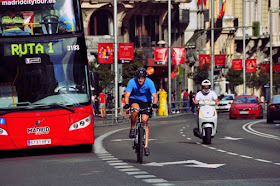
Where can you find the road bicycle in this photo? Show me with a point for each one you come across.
(139, 141)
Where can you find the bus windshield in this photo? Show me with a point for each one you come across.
(43, 17)
(43, 72)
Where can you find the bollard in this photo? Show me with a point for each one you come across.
(162, 111)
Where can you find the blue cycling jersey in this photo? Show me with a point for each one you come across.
(142, 93)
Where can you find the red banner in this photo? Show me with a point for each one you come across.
(178, 55)
(220, 60)
(251, 65)
(204, 59)
(126, 51)
(276, 67)
(265, 68)
(160, 54)
(237, 64)
(105, 53)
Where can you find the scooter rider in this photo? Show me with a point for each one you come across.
(206, 93)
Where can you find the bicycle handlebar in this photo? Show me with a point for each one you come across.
(133, 109)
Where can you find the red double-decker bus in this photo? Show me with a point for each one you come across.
(45, 96)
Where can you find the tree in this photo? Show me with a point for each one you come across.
(234, 78)
(105, 74)
(201, 74)
(130, 68)
(256, 80)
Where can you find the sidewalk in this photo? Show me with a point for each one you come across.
(109, 121)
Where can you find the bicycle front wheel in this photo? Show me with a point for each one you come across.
(141, 144)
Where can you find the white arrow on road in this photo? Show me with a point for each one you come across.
(231, 138)
(193, 162)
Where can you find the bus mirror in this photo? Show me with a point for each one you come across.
(51, 24)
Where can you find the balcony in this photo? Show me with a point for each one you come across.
(92, 41)
(276, 40)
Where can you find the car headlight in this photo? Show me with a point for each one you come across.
(255, 108)
(3, 132)
(233, 109)
(81, 124)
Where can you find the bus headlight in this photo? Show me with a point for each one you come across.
(81, 124)
(3, 132)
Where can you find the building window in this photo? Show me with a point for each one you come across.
(144, 30)
(101, 23)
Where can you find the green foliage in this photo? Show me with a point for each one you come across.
(201, 74)
(234, 77)
(256, 80)
(130, 68)
(256, 28)
(276, 80)
(105, 74)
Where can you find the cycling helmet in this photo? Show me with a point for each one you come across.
(204, 83)
(141, 72)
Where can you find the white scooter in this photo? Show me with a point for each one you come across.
(207, 121)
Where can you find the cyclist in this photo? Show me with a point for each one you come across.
(140, 93)
(206, 93)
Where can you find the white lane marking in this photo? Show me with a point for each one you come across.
(243, 156)
(98, 147)
(126, 139)
(232, 153)
(115, 161)
(114, 164)
(129, 169)
(122, 166)
(137, 172)
(144, 176)
(266, 161)
(248, 128)
(231, 138)
(235, 154)
(155, 180)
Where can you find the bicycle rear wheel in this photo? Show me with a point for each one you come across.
(141, 144)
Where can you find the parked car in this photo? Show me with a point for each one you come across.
(225, 102)
(273, 109)
(246, 106)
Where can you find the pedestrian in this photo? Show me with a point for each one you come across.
(191, 98)
(125, 112)
(187, 100)
(93, 104)
(102, 105)
(262, 100)
(173, 100)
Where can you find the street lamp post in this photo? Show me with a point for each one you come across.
(270, 55)
(244, 52)
(212, 43)
(169, 55)
(116, 56)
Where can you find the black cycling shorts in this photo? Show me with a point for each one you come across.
(141, 104)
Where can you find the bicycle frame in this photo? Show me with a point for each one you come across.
(139, 141)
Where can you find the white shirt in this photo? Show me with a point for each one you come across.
(210, 96)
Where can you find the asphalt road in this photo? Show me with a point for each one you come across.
(244, 152)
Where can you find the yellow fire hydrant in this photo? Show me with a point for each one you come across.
(162, 111)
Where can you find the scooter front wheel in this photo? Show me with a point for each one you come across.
(207, 138)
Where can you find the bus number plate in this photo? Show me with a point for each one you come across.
(39, 142)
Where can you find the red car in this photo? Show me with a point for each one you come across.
(246, 106)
